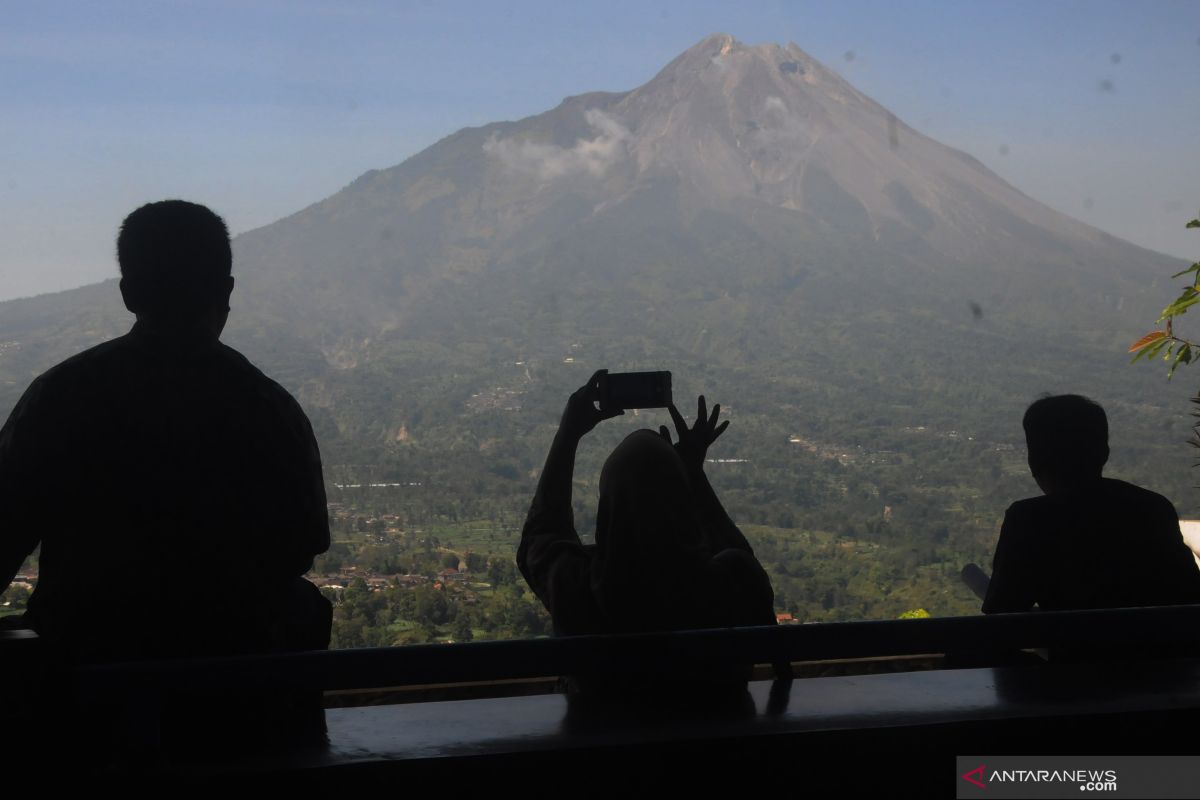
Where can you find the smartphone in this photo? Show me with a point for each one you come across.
(635, 390)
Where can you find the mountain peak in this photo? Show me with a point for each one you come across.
(724, 44)
(735, 120)
(721, 51)
(714, 44)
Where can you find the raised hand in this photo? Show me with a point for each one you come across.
(694, 442)
(581, 413)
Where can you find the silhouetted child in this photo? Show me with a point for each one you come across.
(1090, 541)
(666, 557)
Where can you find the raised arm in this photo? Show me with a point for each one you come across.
(720, 531)
(550, 525)
(742, 583)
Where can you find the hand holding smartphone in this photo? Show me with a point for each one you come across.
(622, 390)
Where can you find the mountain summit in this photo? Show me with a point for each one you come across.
(732, 121)
(770, 124)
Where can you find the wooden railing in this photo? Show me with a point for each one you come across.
(1031, 707)
(1129, 629)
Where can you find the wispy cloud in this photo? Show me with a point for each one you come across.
(779, 125)
(549, 161)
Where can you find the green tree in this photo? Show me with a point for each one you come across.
(501, 572)
(460, 630)
(431, 606)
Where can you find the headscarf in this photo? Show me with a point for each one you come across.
(651, 561)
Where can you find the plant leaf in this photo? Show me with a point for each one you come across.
(1193, 268)
(1156, 348)
(1150, 351)
(1145, 341)
(1178, 359)
(1182, 303)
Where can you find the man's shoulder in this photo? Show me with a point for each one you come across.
(1131, 489)
(255, 379)
(94, 357)
(1021, 521)
(1029, 507)
(67, 377)
(1031, 518)
(1107, 491)
(1129, 495)
(233, 360)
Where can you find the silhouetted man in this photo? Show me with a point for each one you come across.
(1090, 541)
(176, 491)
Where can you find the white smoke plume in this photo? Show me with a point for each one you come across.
(548, 161)
(780, 126)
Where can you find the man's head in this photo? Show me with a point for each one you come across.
(1067, 436)
(175, 264)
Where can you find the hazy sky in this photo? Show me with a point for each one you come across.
(260, 108)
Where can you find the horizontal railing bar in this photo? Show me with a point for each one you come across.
(665, 651)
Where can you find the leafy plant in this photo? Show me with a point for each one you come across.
(1178, 350)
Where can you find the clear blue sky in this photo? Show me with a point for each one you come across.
(260, 108)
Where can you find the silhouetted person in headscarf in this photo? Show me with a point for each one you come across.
(175, 490)
(1090, 541)
(666, 557)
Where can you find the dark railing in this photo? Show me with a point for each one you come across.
(1130, 629)
(1026, 706)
